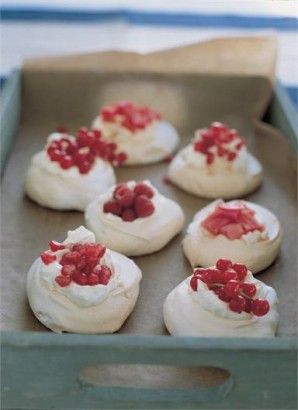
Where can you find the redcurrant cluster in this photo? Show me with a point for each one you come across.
(130, 116)
(80, 264)
(227, 281)
(83, 150)
(216, 141)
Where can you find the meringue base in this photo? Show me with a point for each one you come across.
(204, 249)
(58, 313)
(140, 237)
(183, 316)
(53, 187)
(211, 185)
(148, 146)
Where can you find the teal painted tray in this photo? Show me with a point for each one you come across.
(48, 371)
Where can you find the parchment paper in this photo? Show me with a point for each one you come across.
(72, 98)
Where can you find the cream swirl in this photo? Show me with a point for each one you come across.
(143, 235)
(257, 250)
(202, 313)
(83, 309)
(226, 179)
(52, 186)
(151, 144)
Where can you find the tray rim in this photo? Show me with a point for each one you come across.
(281, 113)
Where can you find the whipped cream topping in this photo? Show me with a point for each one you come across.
(62, 308)
(256, 249)
(83, 296)
(151, 144)
(52, 186)
(143, 235)
(222, 178)
(202, 313)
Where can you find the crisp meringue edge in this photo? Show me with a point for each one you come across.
(184, 326)
(142, 244)
(179, 176)
(128, 295)
(173, 141)
(44, 177)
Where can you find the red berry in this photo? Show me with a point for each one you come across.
(231, 156)
(248, 305)
(93, 250)
(66, 162)
(143, 189)
(63, 280)
(54, 154)
(84, 167)
(93, 279)
(68, 270)
(104, 274)
(56, 246)
(211, 276)
(237, 304)
(47, 257)
(223, 264)
(108, 113)
(240, 269)
(112, 207)
(81, 279)
(232, 288)
(82, 263)
(229, 275)
(120, 158)
(70, 258)
(124, 196)
(249, 289)
(260, 307)
(194, 283)
(222, 295)
(220, 151)
(128, 215)
(218, 128)
(143, 206)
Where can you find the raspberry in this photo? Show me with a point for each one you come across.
(124, 196)
(128, 215)
(143, 206)
(143, 189)
(112, 207)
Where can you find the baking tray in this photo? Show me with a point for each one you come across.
(127, 370)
